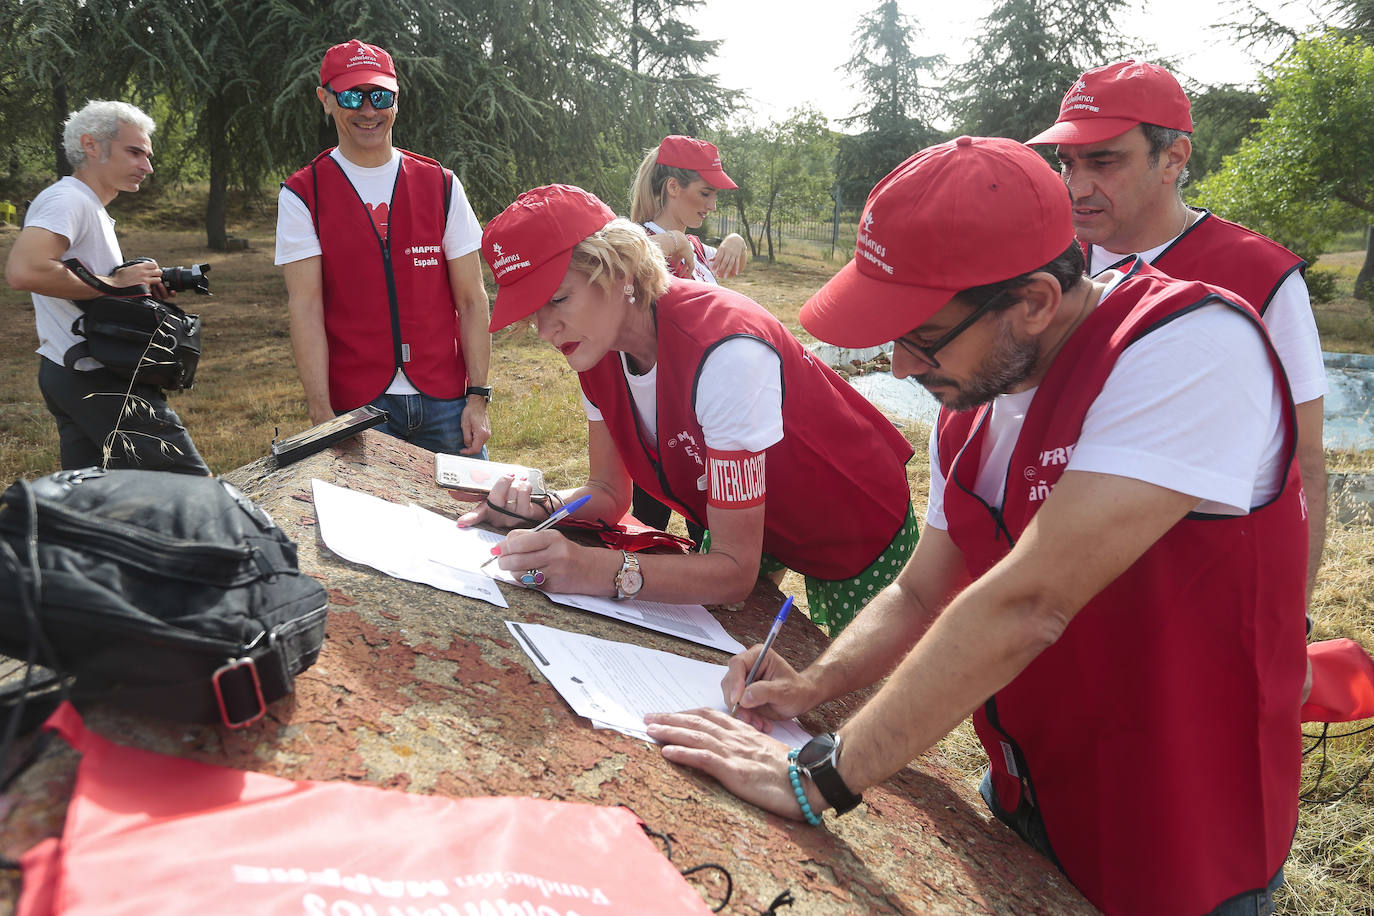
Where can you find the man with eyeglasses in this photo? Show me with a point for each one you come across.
(1108, 506)
(1124, 137)
(383, 278)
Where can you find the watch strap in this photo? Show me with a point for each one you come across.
(827, 779)
(478, 391)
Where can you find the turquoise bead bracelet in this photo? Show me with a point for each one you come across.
(811, 817)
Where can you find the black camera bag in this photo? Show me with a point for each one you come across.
(135, 334)
(170, 594)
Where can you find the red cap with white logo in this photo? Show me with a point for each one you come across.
(529, 246)
(698, 155)
(355, 63)
(1108, 101)
(965, 213)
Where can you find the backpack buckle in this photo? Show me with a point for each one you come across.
(238, 677)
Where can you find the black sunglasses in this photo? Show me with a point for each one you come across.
(352, 99)
(927, 354)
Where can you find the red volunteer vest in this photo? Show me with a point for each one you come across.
(836, 485)
(417, 329)
(1159, 736)
(1225, 254)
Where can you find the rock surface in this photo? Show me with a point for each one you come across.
(421, 690)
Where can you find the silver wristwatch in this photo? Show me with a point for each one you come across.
(629, 580)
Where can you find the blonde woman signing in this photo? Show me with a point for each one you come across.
(675, 190)
(700, 396)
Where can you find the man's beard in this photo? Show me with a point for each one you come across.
(1009, 363)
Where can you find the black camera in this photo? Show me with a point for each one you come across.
(180, 279)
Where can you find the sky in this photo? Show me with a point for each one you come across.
(785, 53)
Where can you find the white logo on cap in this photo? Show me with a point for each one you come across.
(363, 56)
(869, 249)
(507, 263)
(868, 221)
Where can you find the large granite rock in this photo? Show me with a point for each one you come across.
(421, 690)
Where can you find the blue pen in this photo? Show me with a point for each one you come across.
(554, 519)
(767, 644)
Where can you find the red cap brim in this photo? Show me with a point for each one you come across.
(856, 310)
(717, 179)
(355, 78)
(530, 293)
(1083, 130)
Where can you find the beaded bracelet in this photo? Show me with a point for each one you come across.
(811, 817)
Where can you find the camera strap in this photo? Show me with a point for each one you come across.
(94, 282)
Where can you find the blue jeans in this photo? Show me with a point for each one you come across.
(425, 421)
(1249, 903)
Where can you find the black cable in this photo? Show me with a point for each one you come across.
(783, 899)
(729, 882)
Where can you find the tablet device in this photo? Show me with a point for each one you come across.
(323, 435)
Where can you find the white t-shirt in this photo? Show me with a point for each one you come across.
(702, 270)
(296, 239)
(70, 209)
(1169, 413)
(739, 397)
(1292, 327)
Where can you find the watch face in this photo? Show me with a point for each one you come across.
(816, 750)
(631, 581)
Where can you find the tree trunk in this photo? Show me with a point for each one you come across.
(216, 236)
(744, 222)
(1364, 281)
(59, 105)
(768, 228)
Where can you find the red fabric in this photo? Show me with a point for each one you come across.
(1228, 255)
(147, 833)
(361, 317)
(1188, 665)
(839, 456)
(1342, 682)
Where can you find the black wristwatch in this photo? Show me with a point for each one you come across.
(479, 391)
(819, 758)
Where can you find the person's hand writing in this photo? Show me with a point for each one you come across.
(778, 691)
(567, 567)
(741, 758)
(729, 259)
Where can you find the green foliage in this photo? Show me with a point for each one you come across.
(1029, 52)
(785, 171)
(897, 103)
(1223, 116)
(1322, 284)
(1307, 172)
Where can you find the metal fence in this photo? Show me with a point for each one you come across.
(826, 238)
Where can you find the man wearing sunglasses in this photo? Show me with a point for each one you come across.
(383, 278)
(1111, 578)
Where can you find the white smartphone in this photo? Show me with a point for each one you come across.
(473, 475)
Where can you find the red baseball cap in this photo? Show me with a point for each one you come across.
(529, 246)
(354, 63)
(966, 213)
(1108, 101)
(698, 155)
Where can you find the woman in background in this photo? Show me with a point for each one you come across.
(675, 190)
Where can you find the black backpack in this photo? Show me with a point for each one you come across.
(171, 594)
(135, 334)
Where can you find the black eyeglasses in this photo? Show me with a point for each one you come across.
(927, 354)
(352, 99)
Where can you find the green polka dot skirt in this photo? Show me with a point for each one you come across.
(833, 603)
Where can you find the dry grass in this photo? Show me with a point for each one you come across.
(247, 387)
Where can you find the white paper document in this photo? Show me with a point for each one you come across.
(617, 684)
(404, 542)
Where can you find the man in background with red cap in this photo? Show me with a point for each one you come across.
(1107, 506)
(383, 279)
(1123, 138)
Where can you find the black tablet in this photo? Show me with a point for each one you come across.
(323, 435)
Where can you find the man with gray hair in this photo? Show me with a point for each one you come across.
(1124, 138)
(101, 419)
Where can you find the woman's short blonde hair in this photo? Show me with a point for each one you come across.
(621, 252)
(649, 192)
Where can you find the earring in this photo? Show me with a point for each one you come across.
(630, 291)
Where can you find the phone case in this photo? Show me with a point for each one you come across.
(473, 475)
